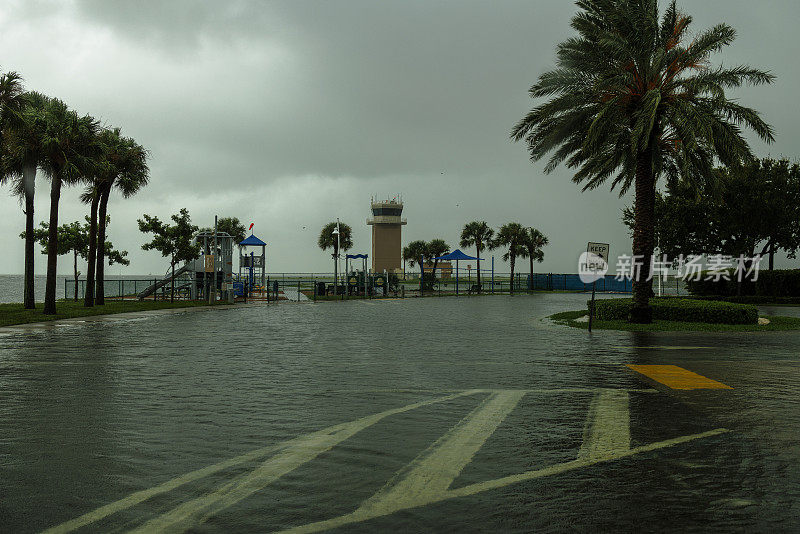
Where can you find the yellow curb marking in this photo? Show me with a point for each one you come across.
(676, 377)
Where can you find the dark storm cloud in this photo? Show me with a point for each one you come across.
(292, 113)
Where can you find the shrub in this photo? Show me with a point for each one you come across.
(776, 283)
(676, 309)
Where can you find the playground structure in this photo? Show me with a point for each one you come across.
(253, 284)
(209, 277)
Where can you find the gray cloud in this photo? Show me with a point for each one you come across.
(293, 113)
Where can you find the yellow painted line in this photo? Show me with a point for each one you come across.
(676, 377)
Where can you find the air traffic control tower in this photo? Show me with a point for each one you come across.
(386, 222)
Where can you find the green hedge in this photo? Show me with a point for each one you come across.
(750, 299)
(777, 283)
(676, 309)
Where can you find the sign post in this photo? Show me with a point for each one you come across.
(592, 266)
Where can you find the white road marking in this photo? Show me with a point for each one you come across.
(306, 440)
(607, 429)
(434, 470)
(472, 489)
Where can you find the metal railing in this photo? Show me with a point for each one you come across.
(308, 285)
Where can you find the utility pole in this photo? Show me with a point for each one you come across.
(213, 293)
(336, 260)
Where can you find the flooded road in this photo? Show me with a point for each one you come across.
(440, 414)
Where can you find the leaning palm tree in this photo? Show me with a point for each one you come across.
(436, 248)
(511, 236)
(415, 253)
(69, 147)
(534, 242)
(22, 155)
(122, 165)
(631, 100)
(479, 235)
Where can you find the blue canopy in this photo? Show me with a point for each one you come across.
(456, 255)
(252, 241)
(355, 256)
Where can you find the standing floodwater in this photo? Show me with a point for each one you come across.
(444, 414)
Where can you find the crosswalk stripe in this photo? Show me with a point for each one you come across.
(607, 429)
(140, 496)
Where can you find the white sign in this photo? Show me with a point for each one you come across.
(593, 264)
(599, 249)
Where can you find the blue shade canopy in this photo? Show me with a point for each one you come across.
(456, 255)
(356, 256)
(251, 241)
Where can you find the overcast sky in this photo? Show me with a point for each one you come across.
(290, 114)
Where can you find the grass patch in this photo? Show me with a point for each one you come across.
(11, 314)
(569, 318)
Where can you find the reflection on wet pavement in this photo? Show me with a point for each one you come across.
(467, 414)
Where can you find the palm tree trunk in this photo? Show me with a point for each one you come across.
(643, 240)
(99, 297)
(530, 283)
(75, 271)
(88, 298)
(52, 248)
(172, 289)
(29, 179)
(479, 270)
(511, 289)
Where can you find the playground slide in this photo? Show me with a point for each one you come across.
(161, 283)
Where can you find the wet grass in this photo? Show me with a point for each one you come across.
(776, 323)
(15, 313)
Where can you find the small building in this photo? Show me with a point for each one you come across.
(444, 269)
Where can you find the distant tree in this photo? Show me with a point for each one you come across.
(231, 226)
(71, 239)
(74, 238)
(630, 100)
(435, 248)
(742, 207)
(535, 241)
(173, 241)
(415, 253)
(328, 240)
(512, 236)
(479, 235)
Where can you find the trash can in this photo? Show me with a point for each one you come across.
(320, 288)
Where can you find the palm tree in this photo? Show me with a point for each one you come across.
(69, 146)
(91, 196)
(511, 236)
(534, 242)
(436, 248)
(630, 99)
(22, 155)
(479, 235)
(415, 252)
(123, 164)
(328, 239)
